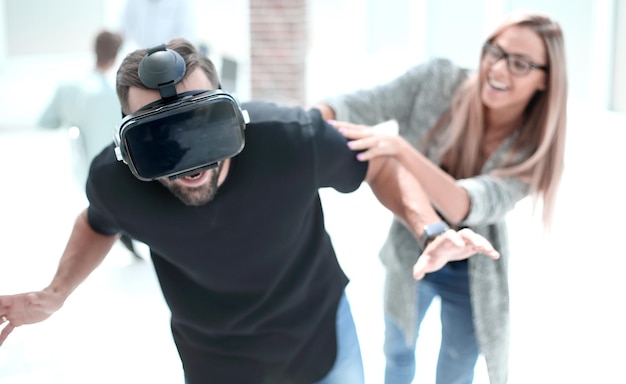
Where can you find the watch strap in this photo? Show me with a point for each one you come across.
(431, 231)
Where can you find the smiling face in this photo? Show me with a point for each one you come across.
(502, 91)
(200, 188)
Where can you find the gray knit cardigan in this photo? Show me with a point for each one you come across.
(416, 100)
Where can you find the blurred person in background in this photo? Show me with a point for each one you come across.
(89, 108)
(478, 142)
(147, 23)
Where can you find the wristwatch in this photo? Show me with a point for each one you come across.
(431, 231)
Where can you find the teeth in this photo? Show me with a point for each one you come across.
(498, 86)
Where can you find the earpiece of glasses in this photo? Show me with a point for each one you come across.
(517, 65)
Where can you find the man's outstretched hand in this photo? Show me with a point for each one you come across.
(26, 308)
(451, 246)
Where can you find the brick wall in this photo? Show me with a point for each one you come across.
(278, 45)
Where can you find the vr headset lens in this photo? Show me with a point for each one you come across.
(188, 136)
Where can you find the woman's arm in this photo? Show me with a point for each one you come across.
(444, 193)
(482, 199)
(392, 100)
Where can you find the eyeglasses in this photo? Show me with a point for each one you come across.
(518, 65)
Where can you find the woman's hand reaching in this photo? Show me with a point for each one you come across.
(370, 141)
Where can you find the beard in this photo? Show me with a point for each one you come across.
(195, 196)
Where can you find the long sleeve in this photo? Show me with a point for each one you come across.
(415, 99)
(491, 198)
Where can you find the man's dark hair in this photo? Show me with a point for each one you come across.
(128, 73)
(107, 46)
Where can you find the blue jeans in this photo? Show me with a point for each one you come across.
(459, 350)
(348, 367)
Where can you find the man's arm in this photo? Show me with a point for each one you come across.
(403, 195)
(328, 113)
(84, 251)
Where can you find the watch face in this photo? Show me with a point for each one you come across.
(436, 229)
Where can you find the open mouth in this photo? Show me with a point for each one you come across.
(496, 85)
(195, 179)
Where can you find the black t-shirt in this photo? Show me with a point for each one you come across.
(251, 278)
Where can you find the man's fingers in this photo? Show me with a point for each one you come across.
(452, 236)
(491, 253)
(480, 243)
(5, 332)
(486, 248)
(452, 245)
(421, 267)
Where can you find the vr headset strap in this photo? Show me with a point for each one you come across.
(162, 69)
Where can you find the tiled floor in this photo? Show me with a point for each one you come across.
(567, 290)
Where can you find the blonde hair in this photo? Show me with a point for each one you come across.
(541, 140)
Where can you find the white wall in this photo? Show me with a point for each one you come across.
(340, 59)
(618, 97)
(587, 28)
(353, 44)
(28, 75)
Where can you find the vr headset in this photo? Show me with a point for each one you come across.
(180, 134)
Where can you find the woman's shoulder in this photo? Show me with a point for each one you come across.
(444, 68)
(436, 74)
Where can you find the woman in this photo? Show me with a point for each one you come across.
(477, 143)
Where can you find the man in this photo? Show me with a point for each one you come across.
(90, 105)
(237, 238)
